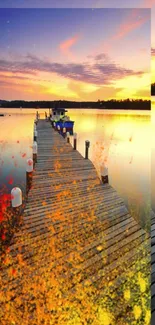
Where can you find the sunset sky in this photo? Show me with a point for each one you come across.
(75, 54)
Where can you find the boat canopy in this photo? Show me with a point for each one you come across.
(59, 111)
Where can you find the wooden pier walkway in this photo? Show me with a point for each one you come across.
(79, 256)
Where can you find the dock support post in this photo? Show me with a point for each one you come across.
(35, 129)
(104, 174)
(64, 132)
(35, 135)
(75, 141)
(68, 137)
(16, 200)
(35, 151)
(37, 116)
(29, 171)
(87, 145)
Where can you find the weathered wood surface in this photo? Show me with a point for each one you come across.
(77, 244)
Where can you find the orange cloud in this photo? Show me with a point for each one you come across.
(65, 46)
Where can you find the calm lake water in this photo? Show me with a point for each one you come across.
(119, 138)
(153, 154)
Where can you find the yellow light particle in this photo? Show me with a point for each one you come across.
(99, 248)
(127, 294)
(137, 311)
(105, 317)
(147, 317)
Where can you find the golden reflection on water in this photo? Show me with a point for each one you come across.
(123, 142)
(121, 139)
(153, 153)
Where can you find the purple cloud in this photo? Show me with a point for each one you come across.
(98, 72)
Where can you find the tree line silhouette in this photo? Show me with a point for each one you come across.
(153, 89)
(133, 104)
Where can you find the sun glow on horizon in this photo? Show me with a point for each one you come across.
(153, 69)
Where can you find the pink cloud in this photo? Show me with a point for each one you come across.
(134, 21)
(148, 3)
(136, 18)
(66, 46)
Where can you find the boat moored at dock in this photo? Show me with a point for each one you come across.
(58, 116)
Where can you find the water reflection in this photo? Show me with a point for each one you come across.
(121, 140)
(153, 154)
(16, 133)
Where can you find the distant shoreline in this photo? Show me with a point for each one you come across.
(83, 108)
(153, 89)
(127, 104)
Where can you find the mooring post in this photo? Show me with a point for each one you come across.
(35, 151)
(16, 200)
(68, 137)
(29, 172)
(35, 135)
(64, 132)
(37, 116)
(104, 174)
(58, 128)
(54, 125)
(87, 145)
(75, 141)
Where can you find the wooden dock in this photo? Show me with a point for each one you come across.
(79, 256)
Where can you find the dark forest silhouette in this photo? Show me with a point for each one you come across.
(153, 89)
(132, 104)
